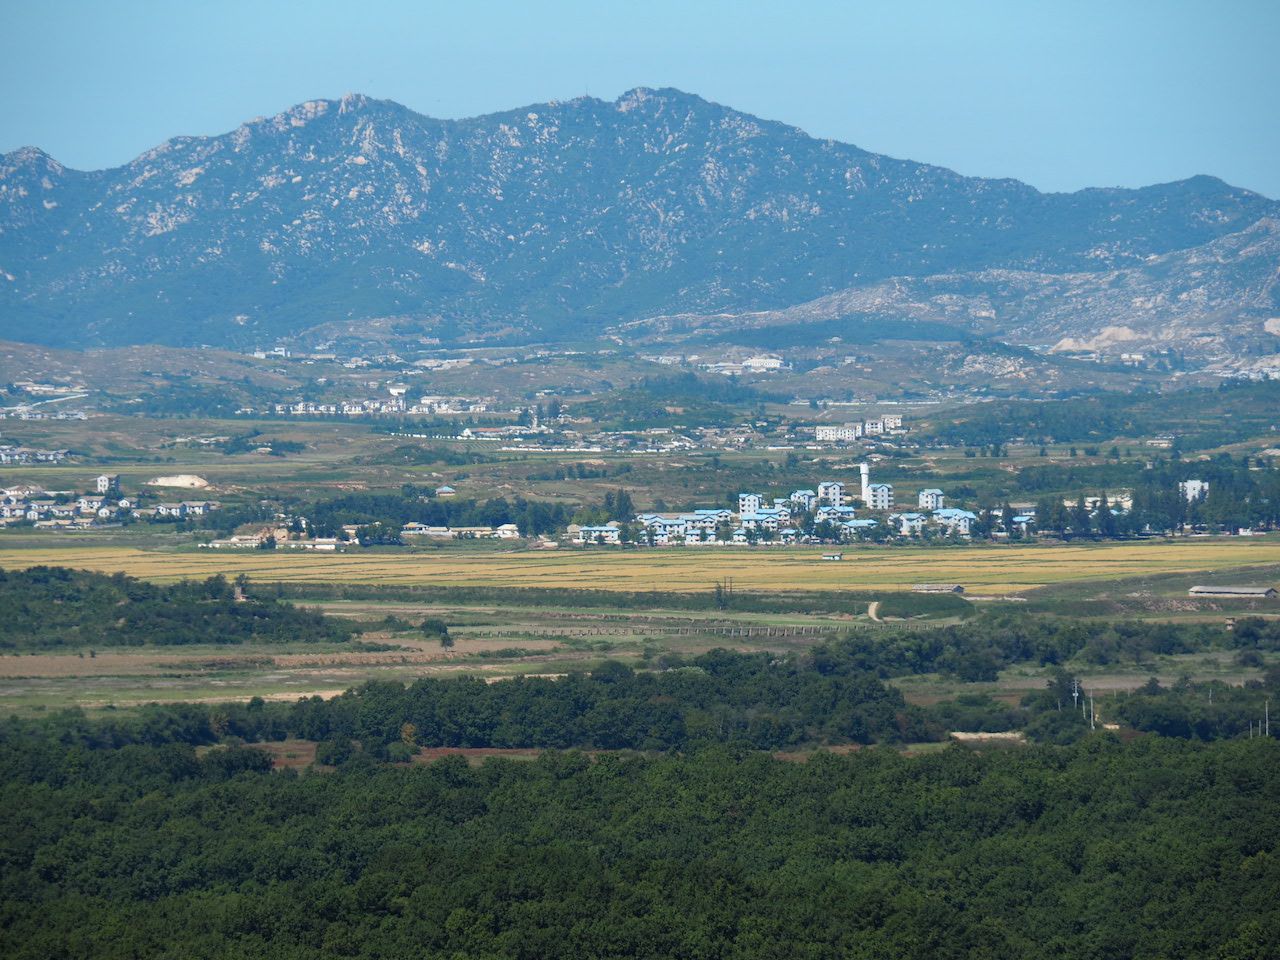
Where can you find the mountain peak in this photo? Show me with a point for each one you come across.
(648, 98)
(30, 158)
(353, 102)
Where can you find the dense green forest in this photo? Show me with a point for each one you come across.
(1105, 850)
(381, 515)
(678, 399)
(52, 607)
(754, 700)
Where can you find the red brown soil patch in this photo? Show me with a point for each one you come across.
(476, 755)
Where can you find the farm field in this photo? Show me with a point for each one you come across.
(982, 570)
(488, 642)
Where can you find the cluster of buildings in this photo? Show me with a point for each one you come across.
(176, 510)
(505, 531)
(763, 363)
(758, 363)
(341, 408)
(778, 519)
(395, 403)
(848, 432)
(280, 538)
(25, 412)
(103, 504)
(11, 453)
(58, 509)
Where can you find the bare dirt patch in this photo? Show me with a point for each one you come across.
(475, 755)
(289, 754)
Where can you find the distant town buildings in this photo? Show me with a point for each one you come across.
(849, 432)
(104, 504)
(10, 453)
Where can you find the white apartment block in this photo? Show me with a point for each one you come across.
(804, 499)
(831, 492)
(880, 496)
(838, 433)
(930, 499)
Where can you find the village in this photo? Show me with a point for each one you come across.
(104, 504)
(827, 514)
(832, 512)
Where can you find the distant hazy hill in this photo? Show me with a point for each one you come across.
(583, 215)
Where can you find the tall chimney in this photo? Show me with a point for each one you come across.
(866, 482)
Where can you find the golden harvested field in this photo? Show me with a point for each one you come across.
(985, 569)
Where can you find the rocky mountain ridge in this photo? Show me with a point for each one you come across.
(575, 217)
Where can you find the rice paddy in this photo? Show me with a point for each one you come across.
(1005, 569)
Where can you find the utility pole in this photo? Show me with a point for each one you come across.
(1093, 716)
(1075, 693)
(1266, 713)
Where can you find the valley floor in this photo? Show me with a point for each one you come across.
(996, 570)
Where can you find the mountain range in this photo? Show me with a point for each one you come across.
(575, 218)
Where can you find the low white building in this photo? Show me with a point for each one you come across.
(830, 514)
(908, 524)
(606, 534)
(415, 529)
(955, 522)
(762, 520)
(855, 529)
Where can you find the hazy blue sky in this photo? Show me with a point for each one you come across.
(1062, 94)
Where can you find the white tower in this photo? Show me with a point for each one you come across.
(866, 482)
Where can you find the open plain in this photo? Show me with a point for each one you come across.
(980, 569)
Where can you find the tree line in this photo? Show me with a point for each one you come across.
(44, 608)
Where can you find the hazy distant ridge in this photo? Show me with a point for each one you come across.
(561, 215)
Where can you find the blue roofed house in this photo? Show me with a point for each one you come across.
(908, 524)
(955, 522)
